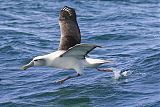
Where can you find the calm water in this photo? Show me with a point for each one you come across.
(128, 30)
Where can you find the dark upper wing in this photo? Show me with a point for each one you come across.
(70, 32)
(79, 51)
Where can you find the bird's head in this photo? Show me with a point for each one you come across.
(37, 61)
(67, 13)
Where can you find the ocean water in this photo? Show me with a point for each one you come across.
(128, 30)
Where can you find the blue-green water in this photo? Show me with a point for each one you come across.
(128, 30)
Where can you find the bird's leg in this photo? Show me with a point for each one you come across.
(64, 79)
(105, 70)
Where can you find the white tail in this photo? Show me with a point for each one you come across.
(95, 62)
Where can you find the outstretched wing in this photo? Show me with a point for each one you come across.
(70, 32)
(79, 51)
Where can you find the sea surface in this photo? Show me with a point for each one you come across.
(128, 31)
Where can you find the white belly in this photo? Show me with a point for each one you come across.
(71, 62)
(66, 62)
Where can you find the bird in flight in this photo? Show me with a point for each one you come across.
(71, 54)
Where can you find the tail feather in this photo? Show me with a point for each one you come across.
(95, 62)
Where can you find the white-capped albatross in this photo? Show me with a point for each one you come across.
(71, 54)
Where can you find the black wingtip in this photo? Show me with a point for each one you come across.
(99, 46)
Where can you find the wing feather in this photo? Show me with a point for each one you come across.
(79, 50)
(70, 32)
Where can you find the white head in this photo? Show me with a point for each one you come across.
(37, 61)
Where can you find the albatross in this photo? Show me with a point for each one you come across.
(70, 54)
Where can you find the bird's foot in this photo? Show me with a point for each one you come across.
(60, 81)
(105, 69)
(64, 79)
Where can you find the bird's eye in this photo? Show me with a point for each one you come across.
(36, 60)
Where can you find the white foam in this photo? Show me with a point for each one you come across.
(119, 74)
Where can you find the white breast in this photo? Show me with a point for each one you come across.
(65, 62)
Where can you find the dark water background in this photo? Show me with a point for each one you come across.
(129, 31)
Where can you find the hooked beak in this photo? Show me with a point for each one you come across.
(28, 65)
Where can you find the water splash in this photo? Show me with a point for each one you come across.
(119, 73)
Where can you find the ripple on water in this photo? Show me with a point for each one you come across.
(11, 32)
(127, 29)
(113, 37)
